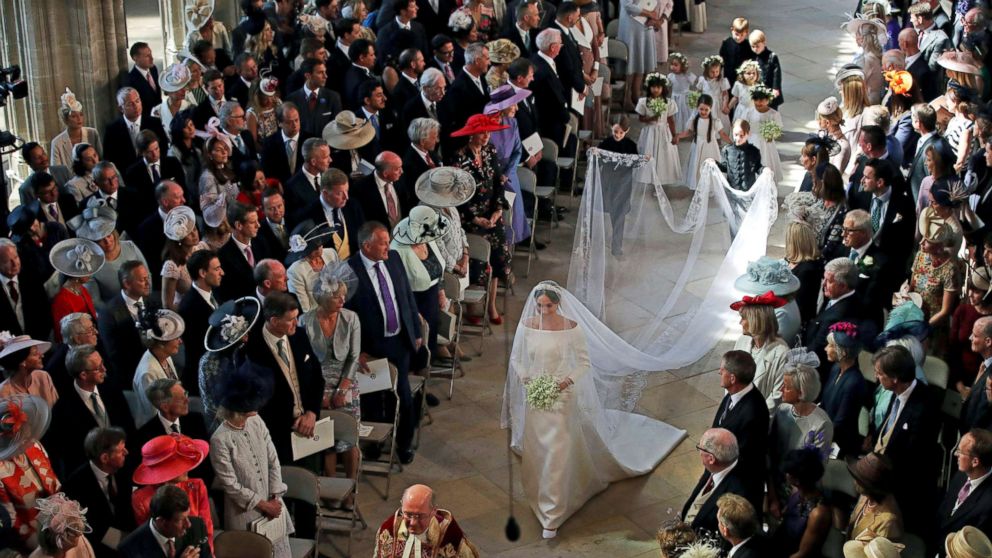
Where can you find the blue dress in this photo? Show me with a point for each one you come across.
(509, 154)
(842, 399)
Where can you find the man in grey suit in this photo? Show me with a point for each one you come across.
(932, 40)
(317, 104)
(925, 123)
(34, 155)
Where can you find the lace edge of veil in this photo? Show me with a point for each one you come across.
(618, 159)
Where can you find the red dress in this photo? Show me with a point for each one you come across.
(199, 505)
(66, 302)
(20, 488)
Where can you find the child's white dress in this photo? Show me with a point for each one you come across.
(769, 151)
(681, 84)
(702, 149)
(656, 141)
(715, 88)
(744, 103)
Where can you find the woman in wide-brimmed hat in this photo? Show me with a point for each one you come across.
(173, 81)
(76, 132)
(76, 260)
(937, 272)
(169, 459)
(870, 34)
(877, 547)
(225, 340)
(21, 361)
(483, 213)
(760, 338)
(26, 473)
(876, 512)
(348, 133)
(830, 117)
(501, 53)
(769, 274)
(969, 542)
(243, 455)
(181, 240)
(510, 153)
(161, 333)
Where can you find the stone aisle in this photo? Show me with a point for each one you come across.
(463, 454)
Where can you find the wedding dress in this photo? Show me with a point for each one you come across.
(571, 453)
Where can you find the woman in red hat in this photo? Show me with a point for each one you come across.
(169, 459)
(483, 213)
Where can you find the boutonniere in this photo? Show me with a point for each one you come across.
(898, 218)
(866, 264)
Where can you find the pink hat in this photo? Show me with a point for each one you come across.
(163, 458)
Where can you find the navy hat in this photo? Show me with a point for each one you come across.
(243, 388)
(22, 218)
(963, 93)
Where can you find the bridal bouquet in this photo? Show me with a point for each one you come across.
(692, 98)
(770, 130)
(657, 106)
(543, 392)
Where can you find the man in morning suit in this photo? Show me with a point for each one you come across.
(550, 97)
(277, 345)
(273, 231)
(282, 155)
(237, 87)
(117, 321)
(893, 215)
(523, 32)
(151, 167)
(421, 152)
(195, 308)
(301, 192)
(143, 77)
(433, 15)
(316, 104)
(723, 475)
(738, 523)
(744, 412)
(240, 253)
(232, 122)
(37, 160)
(91, 403)
(362, 54)
(425, 103)
(975, 410)
(411, 66)
(149, 234)
(839, 303)
(379, 194)
(466, 96)
(568, 61)
(918, 66)
(391, 325)
(402, 32)
(120, 137)
(933, 40)
(171, 532)
(171, 402)
(23, 302)
(213, 82)
(906, 435)
(341, 212)
(347, 30)
(968, 500)
(877, 278)
(103, 486)
(53, 205)
(109, 192)
(925, 123)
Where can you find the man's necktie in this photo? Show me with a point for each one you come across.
(526, 38)
(316, 183)
(239, 142)
(375, 124)
(338, 224)
(919, 39)
(963, 494)
(53, 210)
(280, 232)
(217, 105)
(708, 487)
(429, 161)
(111, 488)
(433, 111)
(175, 428)
(891, 421)
(312, 101)
(448, 74)
(156, 176)
(854, 255)
(280, 344)
(112, 202)
(290, 152)
(151, 80)
(213, 301)
(14, 295)
(394, 214)
(170, 548)
(250, 256)
(723, 415)
(101, 417)
(876, 215)
(392, 324)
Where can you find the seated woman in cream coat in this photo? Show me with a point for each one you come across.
(307, 257)
(760, 338)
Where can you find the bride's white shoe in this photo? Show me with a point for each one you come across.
(549, 533)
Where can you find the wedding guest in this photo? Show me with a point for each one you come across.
(722, 474)
(161, 333)
(803, 256)
(735, 49)
(937, 277)
(830, 117)
(760, 338)
(964, 363)
(968, 500)
(76, 260)
(182, 239)
(768, 274)
(21, 361)
(97, 224)
(72, 115)
(743, 412)
(305, 264)
(876, 513)
(84, 159)
(737, 522)
(674, 537)
(806, 515)
(187, 148)
(170, 520)
(844, 391)
(840, 279)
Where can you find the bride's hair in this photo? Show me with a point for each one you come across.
(549, 292)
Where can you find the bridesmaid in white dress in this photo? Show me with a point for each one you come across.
(748, 75)
(713, 83)
(658, 139)
(682, 82)
(761, 113)
(705, 131)
(572, 452)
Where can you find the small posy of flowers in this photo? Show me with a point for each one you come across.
(543, 392)
(770, 130)
(692, 98)
(657, 106)
(847, 328)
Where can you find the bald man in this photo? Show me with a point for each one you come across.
(381, 194)
(918, 65)
(435, 532)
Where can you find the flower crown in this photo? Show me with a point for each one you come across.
(847, 328)
(710, 60)
(680, 58)
(655, 78)
(748, 65)
(761, 91)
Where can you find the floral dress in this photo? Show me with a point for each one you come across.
(268, 124)
(24, 479)
(487, 199)
(931, 282)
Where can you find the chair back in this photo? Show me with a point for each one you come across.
(550, 152)
(452, 286)
(613, 28)
(478, 248)
(837, 478)
(446, 322)
(345, 426)
(242, 544)
(301, 484)
(527, 179)
(936, 372)
(866, 366)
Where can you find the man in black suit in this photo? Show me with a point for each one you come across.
(546, 12)
(466, 96)
(738, 523)
(568, 61)
(718, 452)
(316, 104)
(872, 143)
(171, 533)
(391, 326)
(743, 411)
(302, 190)
(341, 213)
(425, 103)
(195, 308)
(270, 277)
(551, 99)
(401, 32)
(238, 87)
(918, 66)
(171, 402)
(892, 209)
(240, 253)
(968, 500)
(273, 230)
(104, 489)
(143, 77)
(281, 153)
(232, 121)
(877, 278)
(410, 65)
(421, 155)
(362, 54)
(91, 403)
(378, 193)
(37, 160)
(278, 346)
(925, 123)
(120, 137)
(443, 57)
(23, 303)
(310, 49)
(839, 303)
(906, 435)
(213, 82)
(109, 191)
(347, 30)
(151, 168)
(117, 321)
(53, 205)
(523, 32)
(78, 328)
(149, 234)
(388, 135)
(433, 15)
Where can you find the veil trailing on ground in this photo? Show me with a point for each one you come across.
(663, 283)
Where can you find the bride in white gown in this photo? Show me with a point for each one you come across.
(590, 439)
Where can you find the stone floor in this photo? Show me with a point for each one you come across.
(463, 453)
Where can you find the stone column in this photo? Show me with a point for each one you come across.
(173, 28)
(80, 44)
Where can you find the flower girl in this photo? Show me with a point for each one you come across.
(748, 75)
(658, 138)
(682, 83)
(766, 123)
(704, 130)
(713, 83)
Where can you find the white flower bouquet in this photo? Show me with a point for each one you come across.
(770, 130)
(692, 98)
(543, 392)
(657, 106)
